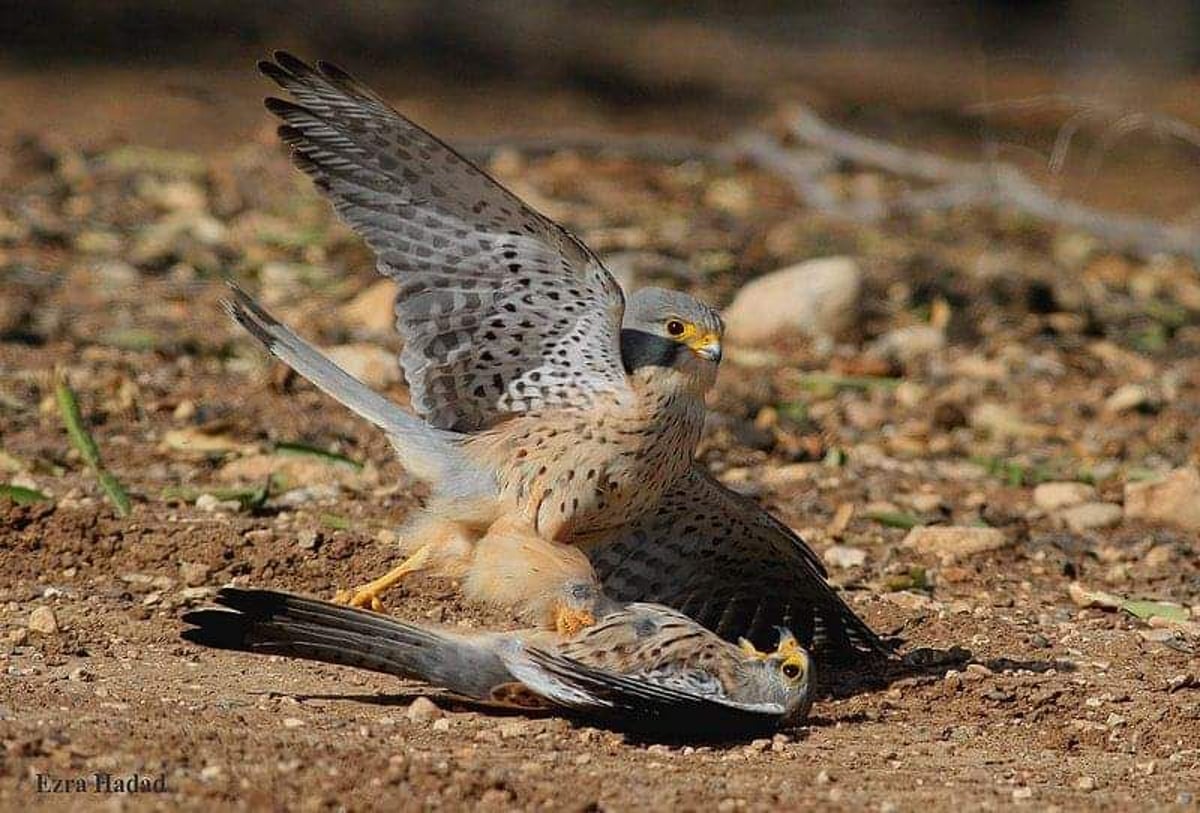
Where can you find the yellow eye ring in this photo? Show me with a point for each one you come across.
(675, 327)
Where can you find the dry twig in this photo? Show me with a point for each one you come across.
(958, 182)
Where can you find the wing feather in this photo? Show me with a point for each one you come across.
(502, 311)
(637, 702)
(727, 563)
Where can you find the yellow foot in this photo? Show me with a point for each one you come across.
(568, 621)
(367, 595)
(362, 596)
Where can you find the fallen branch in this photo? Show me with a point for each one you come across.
(953, 183)
(997, 184)
(654, 150)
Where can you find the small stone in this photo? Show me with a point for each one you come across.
(1086, 783)
(952, 543)
(1022, 794)
(925, 502)
(823, 778)
(43, 620)
(191, 594)
(308, 539)
(184, 411)
(193, 574)
(1083, 597)
(114, 276)
(1127, 398)
(80, 675)
(18, 636)
(1173, 500)
(442, 724)
(844, 556)
(211, 504)
(293, 722)
(814, 298)
(369, 363)
(1056, 495)
(422, 710)
(512, 730)
(211, 773)
(1091, 515)
(1002, 422)
(910, 343)
(1159, 556)
(758, 746)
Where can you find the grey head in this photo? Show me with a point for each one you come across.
(785, 677)
(665, 328)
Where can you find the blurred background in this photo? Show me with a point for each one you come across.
(997, 78)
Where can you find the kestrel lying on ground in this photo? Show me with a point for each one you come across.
(543, 398)
(640, 666)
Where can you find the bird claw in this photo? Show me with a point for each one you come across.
(363, 597)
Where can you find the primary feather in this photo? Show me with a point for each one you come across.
(502, 311)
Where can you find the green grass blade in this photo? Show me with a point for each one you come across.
(81, 439)
(21, 495)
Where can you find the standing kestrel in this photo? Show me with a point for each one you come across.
(703, 549)
(547, 403)
(640, 666)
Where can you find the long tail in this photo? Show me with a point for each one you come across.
(274, 623)
(428, 453)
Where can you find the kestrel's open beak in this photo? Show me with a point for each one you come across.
(707, 346)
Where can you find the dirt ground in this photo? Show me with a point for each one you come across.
(990, 355)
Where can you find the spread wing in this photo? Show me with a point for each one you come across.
(722, 560)
(501, 310)
(637, 703)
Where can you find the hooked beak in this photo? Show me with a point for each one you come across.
(707, 347)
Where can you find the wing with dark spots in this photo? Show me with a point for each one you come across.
(502, 311)
(721, 559)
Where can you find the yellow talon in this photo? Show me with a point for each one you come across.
(367, 595)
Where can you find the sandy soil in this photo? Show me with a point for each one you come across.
(109, 260)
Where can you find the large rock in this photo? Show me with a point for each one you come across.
(814, 298)
(951, 543)
(1056, 495)
(1173, 500)
(1090, 515)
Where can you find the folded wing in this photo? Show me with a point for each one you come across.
(725, 562)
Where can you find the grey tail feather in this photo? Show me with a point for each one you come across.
(275, 623)
(427, 452)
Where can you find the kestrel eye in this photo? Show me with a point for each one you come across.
(675, 327)
(791, 671)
